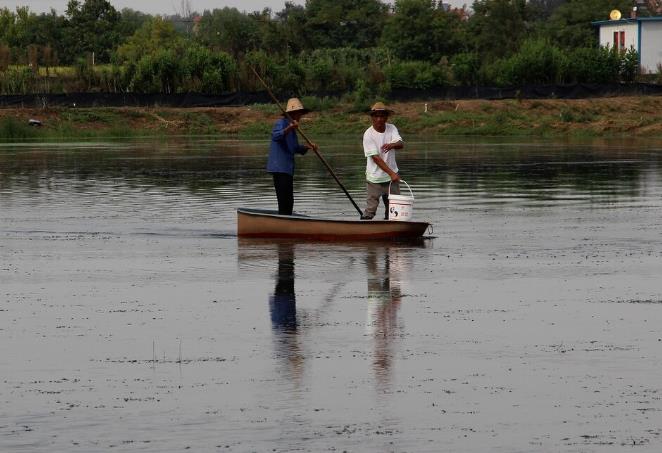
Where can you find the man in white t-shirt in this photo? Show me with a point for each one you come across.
(379, 144)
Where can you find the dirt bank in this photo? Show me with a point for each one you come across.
(640, 116)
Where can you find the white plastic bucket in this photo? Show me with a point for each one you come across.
(400, 207)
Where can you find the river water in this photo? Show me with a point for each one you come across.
(133, 319)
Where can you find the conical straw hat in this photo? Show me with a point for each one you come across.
(379, 107)
(295, 105)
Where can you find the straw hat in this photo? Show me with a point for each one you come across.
(379, 107)
(295, 105)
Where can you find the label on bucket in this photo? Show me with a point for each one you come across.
(400, 208)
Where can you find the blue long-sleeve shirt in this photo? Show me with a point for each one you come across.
(283, 148)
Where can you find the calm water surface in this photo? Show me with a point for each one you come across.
(133, 319)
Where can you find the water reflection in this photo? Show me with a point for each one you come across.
(387, 266)
(282, 303)
(383, 304)
(383, 271)
(305, 335)
(283, 313)
(234, 170)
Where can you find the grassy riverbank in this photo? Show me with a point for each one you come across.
(632, 116)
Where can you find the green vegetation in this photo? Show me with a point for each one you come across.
(630, 116)
(13, 129)
(67, 124)
(362, 49)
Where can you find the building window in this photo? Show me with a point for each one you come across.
(619, 40)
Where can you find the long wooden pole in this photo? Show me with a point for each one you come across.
(326, 164)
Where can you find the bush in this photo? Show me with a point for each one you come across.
(5, 57)
(157, 73)
(415, 74)
(290, 78)
(318, 104)
(85, 73)
(630, 65)
(538, 62)
(13, 129)
(19, 80)
(264, 64)
(465, 68)
(111, 79)
(340, 69)
(206, 71)
(361, 96)
(594, 65)
(319, 73)
(498, 73)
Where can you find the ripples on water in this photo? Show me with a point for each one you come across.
(187, 181)
(133, 317)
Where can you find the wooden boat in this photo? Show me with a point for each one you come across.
(269, 224)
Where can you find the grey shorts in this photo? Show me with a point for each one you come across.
(375, 191)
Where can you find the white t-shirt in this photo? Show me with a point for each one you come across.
(372, 146)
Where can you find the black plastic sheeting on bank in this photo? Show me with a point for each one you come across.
(574, 91)
(189, 100)
(184, 100)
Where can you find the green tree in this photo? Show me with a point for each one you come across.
(421, 30)
(570, 24)
(499, 26)
(19, 28)
(137, 55)
(291, 22)
(343, 23)
(91, 27)
(25, 32)
(130, 22)
(229, 30)
(542, 9)
(7, 19)
(51, 29)
(152, 36)
(272, 37)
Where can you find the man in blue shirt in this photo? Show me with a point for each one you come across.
(284, 145)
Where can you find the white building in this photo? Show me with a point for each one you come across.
(643, 34)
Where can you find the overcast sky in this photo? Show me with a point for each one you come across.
(173, 6)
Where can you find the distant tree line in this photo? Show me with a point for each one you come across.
(364, 47)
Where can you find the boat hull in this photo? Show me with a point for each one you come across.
(269, 224)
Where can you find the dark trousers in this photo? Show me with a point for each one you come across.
(284, 185)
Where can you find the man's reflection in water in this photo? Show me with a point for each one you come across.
(282, 307)
(383, 304)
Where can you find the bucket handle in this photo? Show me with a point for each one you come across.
(402, 180)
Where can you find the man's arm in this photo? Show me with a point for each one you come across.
(381, 164)
(282, 128)
(390, 146)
